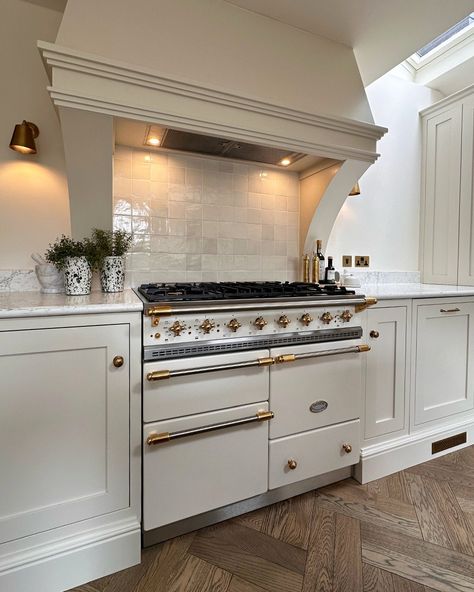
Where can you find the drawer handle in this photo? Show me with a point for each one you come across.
(450, 310)
(292, 464)
(374, 334)
(154, 438)
(347, 448)
(118, 361)
(164, 374)
(355, 349)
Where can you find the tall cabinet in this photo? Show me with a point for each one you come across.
(447, 227)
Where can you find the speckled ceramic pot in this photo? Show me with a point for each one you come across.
(77, 276)
(112, 274)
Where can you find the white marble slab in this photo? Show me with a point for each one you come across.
(385, 277)
(36, 304)
(413, 290)
(21, 280)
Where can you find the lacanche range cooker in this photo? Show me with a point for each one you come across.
(249, 389)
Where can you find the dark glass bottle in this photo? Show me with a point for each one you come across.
(330, 273)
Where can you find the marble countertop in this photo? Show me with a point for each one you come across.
(413, 290)
(36, 304)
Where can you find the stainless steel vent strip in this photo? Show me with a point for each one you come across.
(154, 438)
(164, 374)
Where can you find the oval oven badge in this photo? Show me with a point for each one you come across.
(318, 406)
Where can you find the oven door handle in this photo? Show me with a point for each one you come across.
(164, 374)
(355, 349)
(155, 438)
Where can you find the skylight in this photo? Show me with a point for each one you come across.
(465, 22)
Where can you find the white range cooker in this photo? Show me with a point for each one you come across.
(250, 391)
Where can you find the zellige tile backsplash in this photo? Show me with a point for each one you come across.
(204, 219)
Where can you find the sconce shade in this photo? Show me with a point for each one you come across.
(355, 190)
(23, 139)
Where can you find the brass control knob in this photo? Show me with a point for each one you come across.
(347, 448)
(260, 323)
(284, 321)
(345, 316)
(326, 318)
(118, 361)
(374, 334)
(207, 326)
(234, 325)
(306, 319)
(177, 327)
(292, 464)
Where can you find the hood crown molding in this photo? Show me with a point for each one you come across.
(92, 83)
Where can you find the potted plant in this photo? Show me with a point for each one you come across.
(74, 258)
(111, 247)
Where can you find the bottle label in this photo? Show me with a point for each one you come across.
(331, 274)
(321, 270)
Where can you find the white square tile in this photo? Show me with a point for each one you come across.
(225, 246)
(194, 228)
(158, 172)
(176, 175)
(193, 211)
(209, 263)
(209, 245)
(267, 232)
(193, 177)
(141, 170)
(122, 187)
(176, 209)
(281, 202)
(209, 229)
(122, 223)
(122, 206)
(240, 246)
(123, 168)
(193, 262)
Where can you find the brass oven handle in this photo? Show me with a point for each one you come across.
(154, 438)
(450, 310)
(164, 374)
(355, 349)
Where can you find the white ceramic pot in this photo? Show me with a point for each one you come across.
(77, 276)
(112, 274)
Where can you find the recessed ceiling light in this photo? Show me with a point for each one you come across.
(153, 136)
(153, 141)
(285, 161)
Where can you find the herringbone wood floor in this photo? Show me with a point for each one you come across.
(410, 532)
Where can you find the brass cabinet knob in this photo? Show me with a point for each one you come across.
(207, 326)
(118, 361)
(345, 316)
(284, 321)
(306, 319)
(326, 318)
(292, 464)
(347, 448)
(177, 327)
(374, 334)
(234, 325)
(260, 323)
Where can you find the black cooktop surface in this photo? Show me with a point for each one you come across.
(180, 292)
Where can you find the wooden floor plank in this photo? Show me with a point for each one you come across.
(449, 474)
(403, 585)
(288, 520)
(319, 572)
(195, 575)
(239, 585)
(347, 555)
(377, 580)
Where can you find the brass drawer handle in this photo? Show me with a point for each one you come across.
(450, 310)
(154, 438)
(347, 448)
(164, 374)
(292, 464)
(374, 334)
(118, 361)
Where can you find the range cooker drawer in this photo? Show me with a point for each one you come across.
(203, 471)
(182, 387)
(299, 457)
(322, 389)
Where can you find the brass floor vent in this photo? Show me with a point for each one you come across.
(450, 442)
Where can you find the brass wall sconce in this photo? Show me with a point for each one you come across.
(23, 139)
(355, 190)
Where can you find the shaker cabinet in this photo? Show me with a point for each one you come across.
(447, 227)
(385, 371)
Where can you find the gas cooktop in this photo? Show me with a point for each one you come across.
(183, 292)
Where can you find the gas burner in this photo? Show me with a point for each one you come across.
(182, 292)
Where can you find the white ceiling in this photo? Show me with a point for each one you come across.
(382, 32)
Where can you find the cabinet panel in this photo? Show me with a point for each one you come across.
(443, 360)
(386, 366)
(64, 433)
(441, 196)
(466, 220)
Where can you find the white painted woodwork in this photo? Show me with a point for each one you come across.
(440, 194)
(197, 473)
(64, 439)
(385, 371)
(315, 452)
(443, 364)
(207, 391)
(294, 386)
(466, 218)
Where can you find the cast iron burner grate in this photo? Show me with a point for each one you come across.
(238, 290)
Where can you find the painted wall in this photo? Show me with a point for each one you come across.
(383, 222)
(34, 206)
(198, 218)
(219, 45)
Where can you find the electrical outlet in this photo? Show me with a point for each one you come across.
(347, 261)
(362, 261)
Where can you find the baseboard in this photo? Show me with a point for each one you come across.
(383, 459)
(72, 562)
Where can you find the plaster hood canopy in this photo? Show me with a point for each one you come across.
(146, 136)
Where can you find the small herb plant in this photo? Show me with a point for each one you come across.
(111, 243)
(62, 249)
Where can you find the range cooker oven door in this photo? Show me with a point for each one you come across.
(315, 385)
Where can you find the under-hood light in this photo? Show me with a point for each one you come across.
(285, 162)
(153, 136)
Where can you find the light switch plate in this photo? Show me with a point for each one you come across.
(347, 261)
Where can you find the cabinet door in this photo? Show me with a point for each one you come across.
(466, 221)
(444, 364)
(441, 182)
(64, 427)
